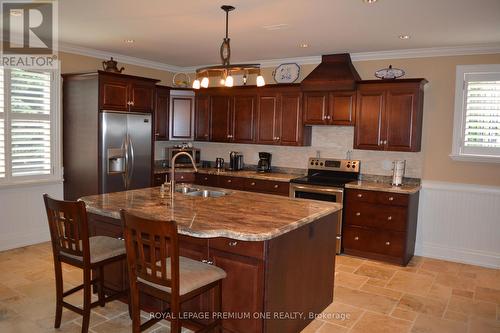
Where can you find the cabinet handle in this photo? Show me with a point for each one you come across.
(182, 177)
(229, 181)
(385, 142)
(229, 136)
(206, 178)
(157, 134)
(389, 218)
(328, 117)
(276, 186)
(252, 183)
(356, 238)
(277, 138)
(358, 214)
(391, 198)
(210, 262)
(132, 103)
(204, 261)
(360, 195)
(120, 238)
(233, 243)
(387, 243)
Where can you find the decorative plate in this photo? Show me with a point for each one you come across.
(286, 73)
(181, 80)
(389, 73)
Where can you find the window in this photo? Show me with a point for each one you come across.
(476, 131)
(29, 142)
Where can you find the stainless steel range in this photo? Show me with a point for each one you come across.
(325, 181)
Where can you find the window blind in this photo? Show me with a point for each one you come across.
(30, 123)
(482, 115)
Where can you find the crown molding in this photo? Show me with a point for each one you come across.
(310, 60)
(75, 49)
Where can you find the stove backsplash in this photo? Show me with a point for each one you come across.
(330, 141)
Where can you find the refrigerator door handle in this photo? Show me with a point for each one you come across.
(127, 164)
(131, 170)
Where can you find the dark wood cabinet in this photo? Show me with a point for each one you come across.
(244, 114)
(202, 118)
(181, 116)
(389, 115)
(220, 118)
(268, 118)
(162, 101)
(329, 108)
(122, 92)
(243, 184)
(380, 225)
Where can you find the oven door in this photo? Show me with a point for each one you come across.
(321, 193)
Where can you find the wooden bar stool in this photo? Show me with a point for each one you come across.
(156, 268)
(71, 244)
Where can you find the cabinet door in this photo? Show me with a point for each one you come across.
(291, 124)
(369, 114)
(161, 113)
(202, 118)
(181, 112)
(244, 115)
(315, 108)
(342, 108)
(219, 118)
(113, 94)
(242, 289)
(267, 119)
(141, 96)
(400, 119)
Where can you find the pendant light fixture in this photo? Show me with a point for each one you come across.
(224, 71)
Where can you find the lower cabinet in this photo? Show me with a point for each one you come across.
(380, 225)
(180, 177)
(243, 184)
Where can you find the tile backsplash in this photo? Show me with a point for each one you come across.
(329, 141)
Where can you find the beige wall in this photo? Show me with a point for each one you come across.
(434, 162)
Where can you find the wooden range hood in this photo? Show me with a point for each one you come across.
(335, 73)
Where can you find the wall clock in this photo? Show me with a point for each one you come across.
(389, 73)
(286, 73)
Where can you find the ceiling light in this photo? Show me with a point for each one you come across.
(369, 1)
(224, 70)
(204, 82)
(129, 41)
(260, 81)
(16, 12)
(303, 45)
(404, 37)
(196, 84)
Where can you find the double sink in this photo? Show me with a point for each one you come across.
(196, 192)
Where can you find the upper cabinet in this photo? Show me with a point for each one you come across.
(269, 115)
(329, 108)
(120, 92)
(181, 115)
(162, 101)
(389, 115)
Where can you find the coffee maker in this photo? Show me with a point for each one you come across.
(264, 164)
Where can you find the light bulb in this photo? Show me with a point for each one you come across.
(260, 81)
(204, 82)
(196, 84)
(229, 81)
(222, 81)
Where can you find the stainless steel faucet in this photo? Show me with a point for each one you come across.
(172, 171)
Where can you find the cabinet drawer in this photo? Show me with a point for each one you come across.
(235, 183)
(159, 178)
(376, 216)
(206, 179)
(390, 243)
(244, 248)
(378, 197)
(266, 186)
(184, 177)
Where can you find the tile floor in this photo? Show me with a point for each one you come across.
(428, 296)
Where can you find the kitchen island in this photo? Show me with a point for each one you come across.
(278, 252)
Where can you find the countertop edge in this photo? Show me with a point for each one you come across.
(383, 187)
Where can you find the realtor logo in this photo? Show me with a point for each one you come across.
(29, 34)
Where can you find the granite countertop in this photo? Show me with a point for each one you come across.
(238, 215)
(274, 176)
(371, 185)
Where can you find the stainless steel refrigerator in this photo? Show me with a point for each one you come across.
(125, 140)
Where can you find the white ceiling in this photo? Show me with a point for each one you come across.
(189, 33)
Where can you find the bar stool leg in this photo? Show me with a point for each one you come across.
(59, 292)
(175, 323)
(86, 300)
(135, 308)
(100, 293)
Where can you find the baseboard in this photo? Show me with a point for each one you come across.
(19, 239)
(467, 256)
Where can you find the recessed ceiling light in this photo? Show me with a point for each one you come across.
(303, 45)
(129, 41)
(404, 37)
(16, 12)
(369, 1)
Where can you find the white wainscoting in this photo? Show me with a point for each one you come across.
(459, 222)
(23, 220)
